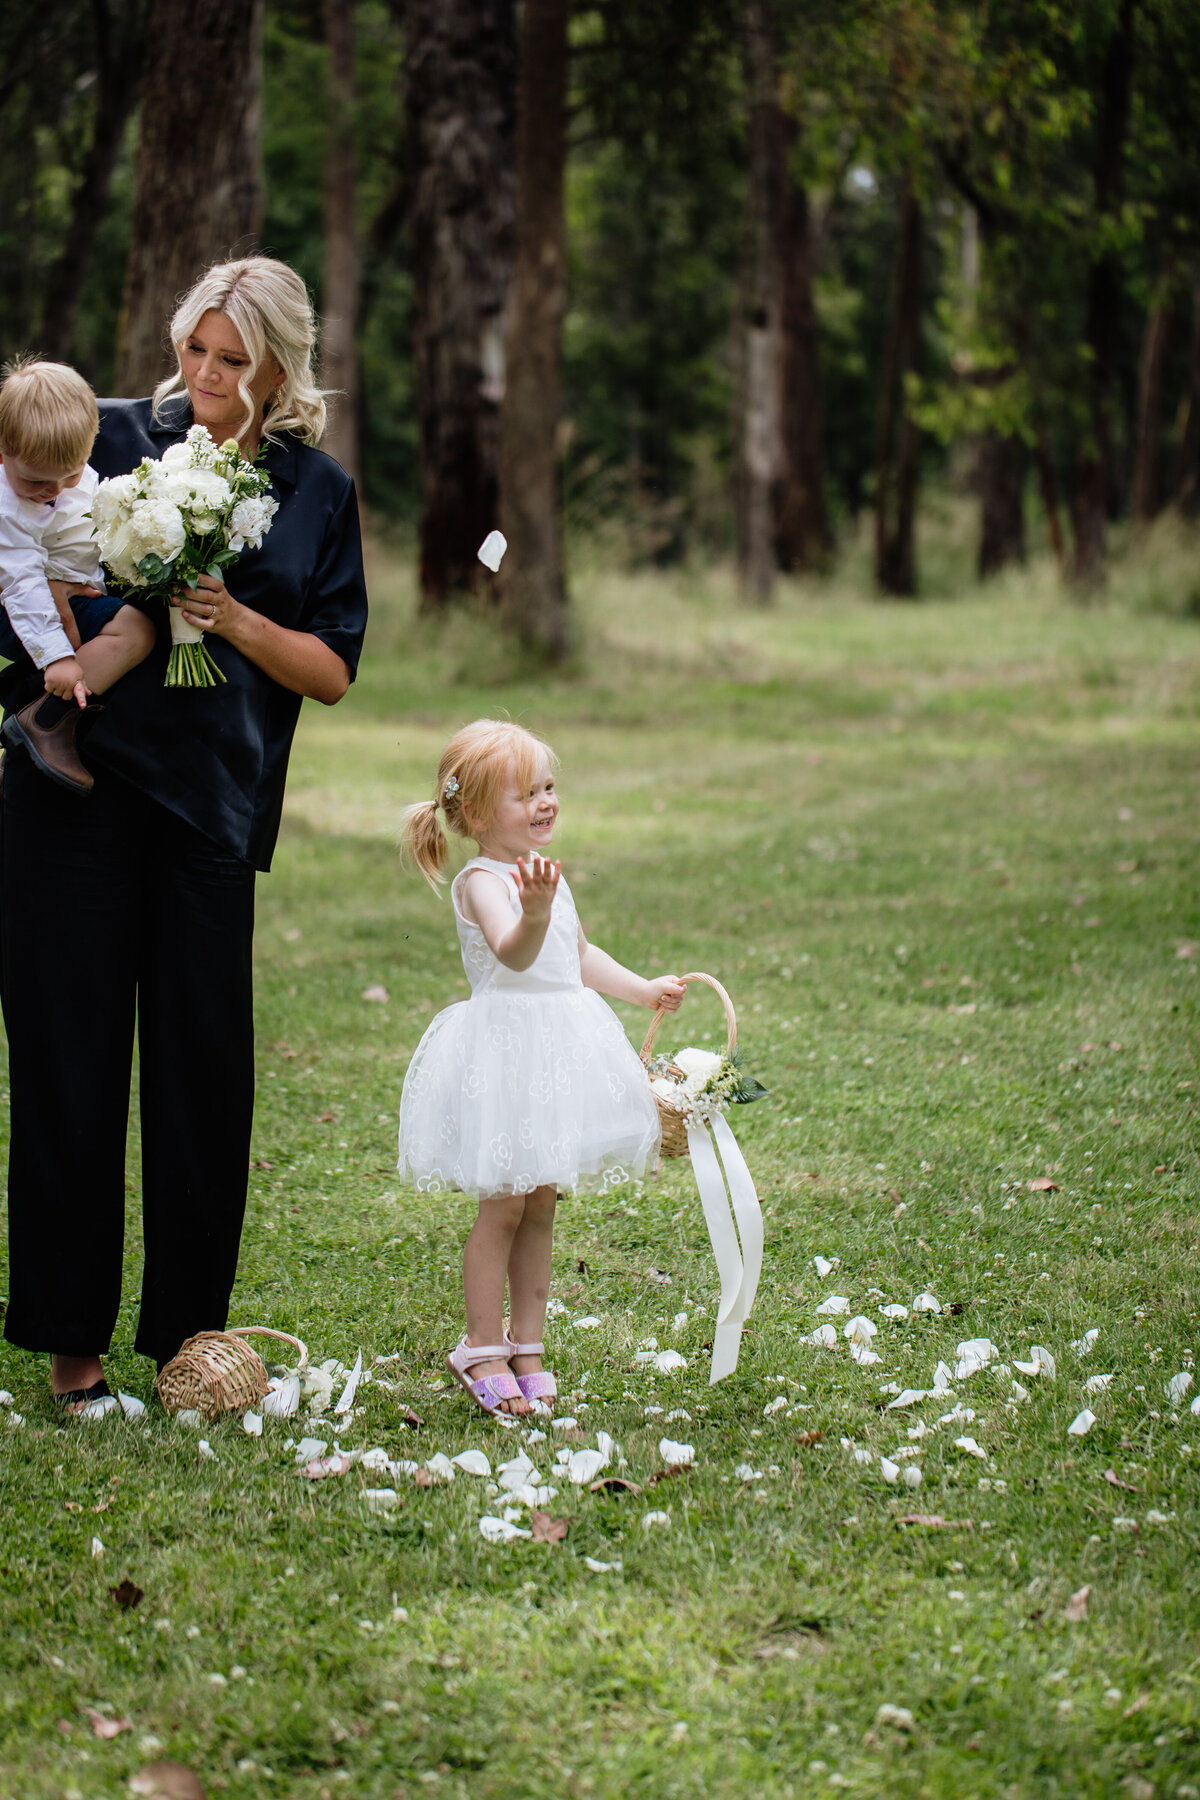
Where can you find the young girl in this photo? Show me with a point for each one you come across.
(531, 1085)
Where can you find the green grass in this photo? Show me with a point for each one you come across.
(944, 856)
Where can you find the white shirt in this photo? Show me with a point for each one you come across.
(40, 542)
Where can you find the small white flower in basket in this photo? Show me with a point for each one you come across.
(191, 513)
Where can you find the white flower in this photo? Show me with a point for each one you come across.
(156, 528)
(201, 449)
(249, 522)
(700, 1065)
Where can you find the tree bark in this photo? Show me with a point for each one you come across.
(1000, 477)
(339, 308)
(198, 194)
(898, 444)
(760, 460)
(1092, 472)
(118, 81)
(534, 585)
(461, 75)
(803, 537)
(1148, 454)
(1188, 484)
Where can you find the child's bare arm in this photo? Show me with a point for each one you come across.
(515, 943)
(604, 973)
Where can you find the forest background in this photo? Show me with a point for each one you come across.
(702, 277)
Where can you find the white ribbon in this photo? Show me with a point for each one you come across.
(181, 631)
(739, 1265)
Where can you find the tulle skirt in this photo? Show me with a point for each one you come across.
(512, 1091)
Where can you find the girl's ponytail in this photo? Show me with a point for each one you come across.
(425, 841)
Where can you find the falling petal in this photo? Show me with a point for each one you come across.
(500, 1531)
(836, 1303)
(859, 1330)
(491, 551)
(927, 1303)
(473, 1462)
(1081, 1424)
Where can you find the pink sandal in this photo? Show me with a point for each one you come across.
(490, 1390)
(538, 1385)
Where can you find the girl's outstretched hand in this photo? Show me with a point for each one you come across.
(667, 992)
(537, 886)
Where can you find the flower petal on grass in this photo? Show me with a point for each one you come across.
(669, 1362)
(97, 1548)
(651, 1519)
(860, 1329)
(309, 1447)
(912, 1476)
(380, 1499)
(824, 1337)
(377, 994)
(889, 1470)
(1040, 1363)
(1086, 1344)
(500, 1531)
(131, 1406)
(205, 1449)
(346, 1398)
(1195, 1406)
(1096, 1384)
(584, 1466)
(602, 1568)
(894, 1312)
(971, 1448)
(942, 1377)
(836, 1303)
(864, 1355)
(588, 1322)
(282, 1397)
(473, 1462)
(1081, 1424)
(1076, 1609)
(927, 1303)
(676, 1455)
(440, 1467)
(898, 1717)
(252, 1424)
(824, 1265)
(104, 1727)
(974, 1354)
(1178, 1385)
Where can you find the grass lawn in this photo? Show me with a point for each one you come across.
(944, 856)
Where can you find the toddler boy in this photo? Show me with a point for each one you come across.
(48, 424)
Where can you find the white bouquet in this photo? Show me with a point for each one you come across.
(191, 513)
(699, 1083)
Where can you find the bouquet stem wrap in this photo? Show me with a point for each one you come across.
(735, 1228)
(190, 664)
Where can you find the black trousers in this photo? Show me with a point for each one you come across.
(113, 908)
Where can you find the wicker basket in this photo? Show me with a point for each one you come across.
(672, 1121)
(217, 1372)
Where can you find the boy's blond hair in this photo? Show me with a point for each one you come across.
(471, 779)
(48, 415)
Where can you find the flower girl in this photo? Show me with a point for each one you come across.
(530, 1086)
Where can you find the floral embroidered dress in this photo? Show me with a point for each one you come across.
(532, 1081)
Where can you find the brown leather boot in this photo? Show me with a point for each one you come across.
(52, 747)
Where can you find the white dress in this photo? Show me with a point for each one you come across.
(529, 1083)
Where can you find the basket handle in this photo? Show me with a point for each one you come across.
(727, 1003)
(266, 1331)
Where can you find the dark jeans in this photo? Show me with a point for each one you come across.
(112, 907)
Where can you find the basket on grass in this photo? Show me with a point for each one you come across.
(217, 1372)
(672, 1116)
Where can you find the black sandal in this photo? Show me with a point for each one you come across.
(76, 1401)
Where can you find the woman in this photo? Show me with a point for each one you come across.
(140, 898)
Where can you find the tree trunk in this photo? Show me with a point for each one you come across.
(1148, 455)
(1000, 477)
(1092, 472)
(198, 196)
(534, 585)
(897, 453)
(760, 462)
(803, 537)
(1048, 482)
(461, 73)
(1188, 484)
(339, 308)
(118, 80)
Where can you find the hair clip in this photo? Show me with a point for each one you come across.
(451, 787)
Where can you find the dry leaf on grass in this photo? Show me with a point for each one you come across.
(376, 993)
(617, 1484)
(166, 1781)
(667, 1474)
(1110, 1475)
(127, 1594)
(807, 1439)
(1076, 1608)
(1042, 1184)
(547, 1530)
(104, 1727)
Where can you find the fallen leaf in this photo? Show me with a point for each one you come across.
(166, 1781)
(1076, 1609)
(806, 1439)
(260, 1163)
(1042, 1184)
(104, 1727)
(326, 1118)
(667, 1474)
(547, 1530)
(617, 1484)
(1110, 1475)
(73, 1506)
(127, 1594)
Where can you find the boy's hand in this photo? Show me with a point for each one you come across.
(65, 678)
(537, 886)
(666, 992)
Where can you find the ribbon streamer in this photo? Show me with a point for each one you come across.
(739, 1264)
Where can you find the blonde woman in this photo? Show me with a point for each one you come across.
(150, 896)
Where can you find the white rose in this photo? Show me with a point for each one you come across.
(210, 489)
(156, 528)
(111, 499)
(701, 1065)
(176, 456)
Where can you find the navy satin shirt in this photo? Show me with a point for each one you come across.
(218, 756)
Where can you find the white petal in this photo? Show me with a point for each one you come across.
(606, 1445)
(897, 1716)
(528, 1495)
(1017, 1392)
(927, 1303)
(824, 1337)
(1081, 1424)
(836, 1303)
(894, 1312)
(669, 1361)
(473, 1462)
(491, 551)
(309, 1447)
(282, 1398)
(889, 1469)
(440, 1466)
(971, 1447)
(97, 1547)
(651, 1519)
(500, 1531)
(679, 1321)
(585, 1465)
(779, 1404)
(1083, 1346)
(1195, 1407)
(566, 1423)
(823, 1265)
(346, 1398)
(863, 1355)
(974, 1354)
(1178, 1385)
(747, 1472)
(860, 1329)
(131, 1406)
(674, 1453)
(601, 1568)
(1096, 1384)
(190, 1417)
(912, 1476)
(942, 1378)
(206, 1450)
(588, 1322)
(6, 1399)
(909, 1397)
(252, 1424)
(380, 1499)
